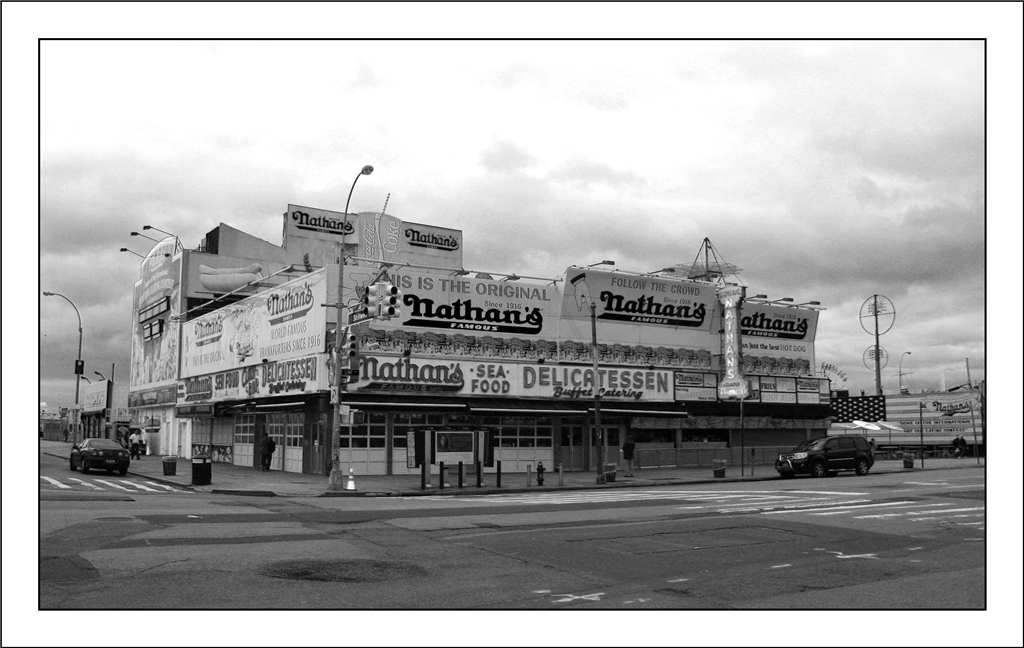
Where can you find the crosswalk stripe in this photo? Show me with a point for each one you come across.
(55, 482)
(140, 486)
(85, 483)
(169, 488)
(113, 485)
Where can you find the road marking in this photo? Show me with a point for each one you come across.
(956, 510)
(140, 486)
(85, 483)
(55, 482)
(678, 580)
(780, 566)
(166, 487)
(571, 597)
(113, 485)
(851, 506)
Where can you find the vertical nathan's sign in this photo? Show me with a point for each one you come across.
(733, 383)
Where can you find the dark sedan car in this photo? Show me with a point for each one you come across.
(100, 454)
(825, 456)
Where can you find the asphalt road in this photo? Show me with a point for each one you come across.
(898, 541)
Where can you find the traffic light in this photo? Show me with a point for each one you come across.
(371, 300)
(391, 300)
(349, 344)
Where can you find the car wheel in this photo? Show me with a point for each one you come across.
(72, 465)
(862, 467)
(123, 472)
(818, 469)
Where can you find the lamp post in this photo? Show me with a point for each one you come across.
(602, 438)
(900, 371)
(597, 391)
(79, 368)
(147, 237)
(133, 252)
(337, 477)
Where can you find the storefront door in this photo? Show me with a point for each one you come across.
(573, 447)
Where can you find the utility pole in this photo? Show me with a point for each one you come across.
(337, 476)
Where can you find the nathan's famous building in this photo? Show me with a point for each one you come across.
(234, 340)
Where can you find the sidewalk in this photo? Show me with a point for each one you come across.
(242, 480)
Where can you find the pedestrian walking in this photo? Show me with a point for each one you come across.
(267, 447)
(134, 443)
(627, 454)
(65, 435)
(958, 447)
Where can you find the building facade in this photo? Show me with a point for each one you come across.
(235, 341)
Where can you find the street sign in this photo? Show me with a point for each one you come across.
(349, 372)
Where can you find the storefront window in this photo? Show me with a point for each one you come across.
(245, 429)
(202, 431)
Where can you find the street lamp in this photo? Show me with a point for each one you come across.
(133, 252)
(900, 371)
(602, 262)
(337, 477)
(102, 377)
(601, 439)
(144, 236)
(79, 367)
(86, 379)
(177, 241)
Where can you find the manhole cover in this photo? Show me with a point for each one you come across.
(351, 571)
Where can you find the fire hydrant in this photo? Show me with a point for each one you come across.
(540, 473)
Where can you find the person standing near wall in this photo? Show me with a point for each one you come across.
(267, 447)
(627, 454)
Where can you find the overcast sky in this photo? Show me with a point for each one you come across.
(827, 171)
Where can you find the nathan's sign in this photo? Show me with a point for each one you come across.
(953, 404)
(297, 376)
(418, 237)
(734, 384)
(612, 383)
(405, 374)
(276, 325)
(695, 386)
(320, 221)
(638, 300)
(473, 378)
(461, 315)
(790, 327)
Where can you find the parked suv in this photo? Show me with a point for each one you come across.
(825, 456)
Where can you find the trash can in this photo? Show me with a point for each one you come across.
(202, 470)
(609, 471)
(719, 467)
(171, 465)
(908, 459)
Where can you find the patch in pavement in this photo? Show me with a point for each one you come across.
(970, 494)
(706, 539)
(349, 571)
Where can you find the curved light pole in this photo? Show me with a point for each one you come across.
(336, 480)
(900, 371)
(79, 369)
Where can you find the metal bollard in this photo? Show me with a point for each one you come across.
(528, 470)
(440, 475)
(540, 473)
(560, 482)
(424, 475)
(479, 474)
(461, 476)
(499, 474)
